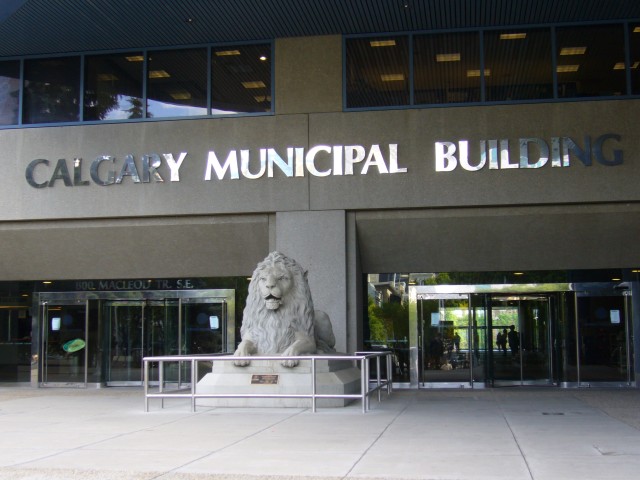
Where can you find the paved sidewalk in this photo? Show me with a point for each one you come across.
(509, 433)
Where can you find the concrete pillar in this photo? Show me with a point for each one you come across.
(317, 241)
(635, 331)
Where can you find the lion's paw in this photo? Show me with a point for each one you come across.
(241, 363)
(289, 363)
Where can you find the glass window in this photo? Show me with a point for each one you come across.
(52, 90)
(177, 83)
(9, 92)
(590, 61)
(113, 86)
(634, 41)
(518, 65)
(447, 68)
(241, 79)
(377, 72)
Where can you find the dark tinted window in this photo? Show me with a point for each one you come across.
(377, 72)
(177, 83)
(634, 37)
(241, 79)
(52, 90)
(113, 86)
(518, 65)
(590, 61)
(447, 68)
(9, 92)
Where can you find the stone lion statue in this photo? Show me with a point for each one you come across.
(279, 318)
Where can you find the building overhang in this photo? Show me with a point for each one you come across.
(45, 27)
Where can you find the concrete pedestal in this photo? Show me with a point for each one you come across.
(269, 377)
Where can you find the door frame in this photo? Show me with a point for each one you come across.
(43, 322)
(420, 292)
(552, 319)
(107, 343)
(41, 299)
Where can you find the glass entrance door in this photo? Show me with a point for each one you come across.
(446, 343)
(604, 340)
(520, 341)
(137, 329)
(64, 344)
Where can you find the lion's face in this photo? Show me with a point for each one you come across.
(274, 284)
(278, 307)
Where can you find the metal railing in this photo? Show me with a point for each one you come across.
(189, 390)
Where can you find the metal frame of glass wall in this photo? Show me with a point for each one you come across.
(543, 62)
(83, 356)
(123, 82)
(472, 336)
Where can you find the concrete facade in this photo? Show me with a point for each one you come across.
(336, 225)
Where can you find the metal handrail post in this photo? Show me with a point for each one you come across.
(368, 374)
(378, 378)
(194, 367)
(313, 385)
(363, 383)
(161, 381)
(389, 374)
(145, 379)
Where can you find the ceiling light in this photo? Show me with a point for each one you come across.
(616, 279)
(567, 68)
(621, 65)
(518, 273)
(392, 77)
(181, 95)
(512, 36)
(106, 77)
(257, 84)
(227, 53)
(158, 74)
(573, 51)
(382, 43)
(448, 57)
(636, 30)
(476, 73)
(636, 270)
(47, 282)
(263, 58)
(134, 58)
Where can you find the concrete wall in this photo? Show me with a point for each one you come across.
(317, 240)
(415, 133)
(336, 225)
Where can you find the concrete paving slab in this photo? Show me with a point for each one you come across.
(239, 461)
(533, 434)
(453, 466)
(585, 468)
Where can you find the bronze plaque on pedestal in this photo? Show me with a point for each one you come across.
(264, 379)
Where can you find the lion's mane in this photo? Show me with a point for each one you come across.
(273, 331)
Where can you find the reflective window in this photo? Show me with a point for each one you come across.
(241, 79)
(447, 68)
(113, 86)
(518, 65)
(634, 41)
(590, 61)
(377, 72)
(177, 83)
(51, 90)
(9, 92)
